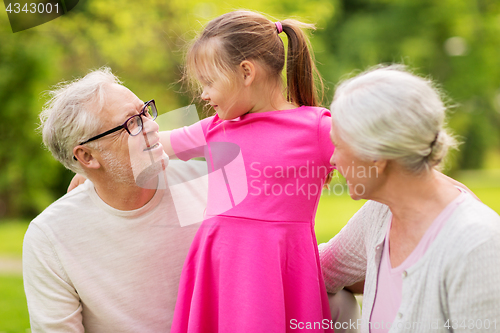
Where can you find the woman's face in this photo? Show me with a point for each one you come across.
(361, 175)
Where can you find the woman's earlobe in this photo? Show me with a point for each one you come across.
(381, 165)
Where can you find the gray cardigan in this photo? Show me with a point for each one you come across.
(454, 287)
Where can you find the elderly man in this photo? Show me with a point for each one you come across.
(107, 256)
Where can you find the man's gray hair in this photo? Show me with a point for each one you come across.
(389, 113)
(71, 115)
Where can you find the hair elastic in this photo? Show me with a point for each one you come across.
(279, 27)
(435, 140)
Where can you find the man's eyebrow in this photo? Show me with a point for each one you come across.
(130, 114)
(133, 112)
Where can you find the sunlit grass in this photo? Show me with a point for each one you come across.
(13, 309)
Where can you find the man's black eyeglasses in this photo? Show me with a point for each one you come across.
(132, 125)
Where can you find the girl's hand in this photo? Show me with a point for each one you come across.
(77, 180)
(167, 145)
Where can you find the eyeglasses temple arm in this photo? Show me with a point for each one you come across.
(117, 128)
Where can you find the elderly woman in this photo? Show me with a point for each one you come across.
(428, 251)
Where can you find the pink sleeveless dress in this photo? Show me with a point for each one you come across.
(253, 266)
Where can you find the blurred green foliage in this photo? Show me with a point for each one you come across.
(456, 42)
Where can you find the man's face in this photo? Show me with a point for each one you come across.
(122, 156)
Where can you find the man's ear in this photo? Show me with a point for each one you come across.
(85, 157)
(247, 69)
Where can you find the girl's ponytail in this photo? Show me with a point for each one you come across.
(301, 72)
(241, 35)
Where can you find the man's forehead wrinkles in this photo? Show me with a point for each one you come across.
(130, 109)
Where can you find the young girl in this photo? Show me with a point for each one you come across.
(253, 265)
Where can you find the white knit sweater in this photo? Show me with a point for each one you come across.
(454, 287)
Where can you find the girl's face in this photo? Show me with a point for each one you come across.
(227, 93)
(229, 99)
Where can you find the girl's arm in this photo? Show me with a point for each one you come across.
(166, 143)
(186, 142)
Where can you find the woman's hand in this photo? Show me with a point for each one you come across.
(77, 180)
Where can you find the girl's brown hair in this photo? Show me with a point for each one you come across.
(243, 35)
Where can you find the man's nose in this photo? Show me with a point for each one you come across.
(149, 125)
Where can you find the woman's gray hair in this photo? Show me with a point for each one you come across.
(389, 113)
(71, 115)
